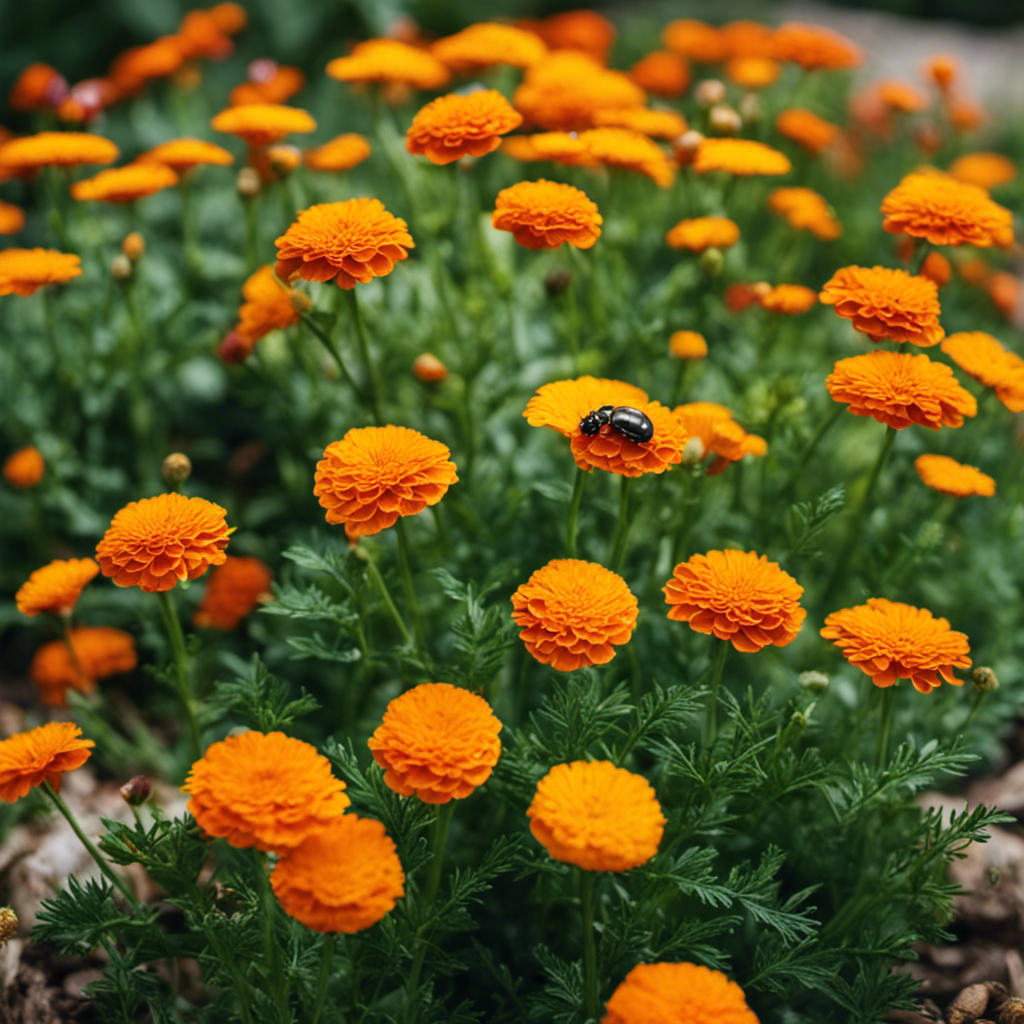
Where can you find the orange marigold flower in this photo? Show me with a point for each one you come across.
(373, 475)
(681, 992)
(899, 389)
(125, 184)
(687, 345)
(183, 154)
(269, 82)
(738, 596)
(390, 61)
(458, 125)
(340, 154)
(157, 542)
(596, 816)
(886, 303)
(437, 742)
(788, 298)
(544, 214)
(12, 219)
(352, 242)
(629, 150)
(40, 755)
(267, 307)
(1004, 289)
(260, 124)
(583, 30)
(806, 129)
(718, 433)
(229, 17)
(55, 587)
(964, 114)
(485, 44)
(558, 147)
(574, 614)
(936, 268)
(562, 404)
(944, 474)
(942, 70)
(889, 641)
(739, 156)
(24, 271)
(24, 467)
(813, 47)
(265, 790)
(695, 39)
(901, 97)
(99, 652)
(985, 170)
(38, 87)
(56, 149)
(658, 124)
(990, 363)
(748, 39)
(703, 233)
(342, 879)
(134, 67)
(200, 35)
(932, 205)
(428, 369)
(662, 73)
(805, 210)
(753, 72)
(234, 590)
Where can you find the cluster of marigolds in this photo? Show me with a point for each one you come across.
(335, 871)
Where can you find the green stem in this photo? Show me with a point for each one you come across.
(885, 727)
(711, 710)
(979, 696)
(188, 224)
(622, 527)
(88, 844)
(326, 956)
(271, 953)
(680, 386)
(388, 603)
(328, 343)
(806, 454)
(573, 318)
(410, 590)
(252, 232)
(589, 948)
(177, 639)
(51, 175)
(373, 379)
(225, 956)
(574, 512)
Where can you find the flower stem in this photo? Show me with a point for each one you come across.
(177, 639)
(410, 590)
(574, 512)
(326, 956)
(328, 343)
(711, 710)
(885, 727)
(388, 603)
(621, 528)
(271, 953)
(806, 454)
(374, 383)
(589, 949)
(101, 862)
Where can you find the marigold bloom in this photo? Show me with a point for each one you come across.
(583, 30)
(695, 39)
(886, 303)
(12, 219)
(574, 614)
(788, 298)
(352, 242)
(558, 147)
(942, 70)
(24, 467)
(901, 97)
(183, 154)
(486, 44)
(428, 369)
(342, 879)
(658, 124)
(813, 47)
(437, 742)
(24, 271)
(373, 475)
(703, 233)
(267, 307)
(340, 154)
(889, 641)
(38, 87)
(738, 596)
(458, 125)
(806, 129)
(985, 170)
(944, 474)
(718, 433)
(100, 651)
(629, 150)
(739, 156)
(990, 363)
(562, 404)
(936, 268)
(390, 61)
(932, 205)
(596, 816)
(200, 35)
(134, 67)
(544, 214)
(268, 82)
(899, 389)
(125, 184)
(234, 590)
(56, 149)
(1004, 289)
(746, 38)
(157, 542)
(229, 17)
(681, 992)
(260, 124)
(662, 73)
(687, 345)
(264, 790)
(55, 587)
(964, 114)
(753, 72)
(31, 758)
(805, 210)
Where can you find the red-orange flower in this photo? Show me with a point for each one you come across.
(352, 242)
(985, 170)
(390, 61)
(544, 214)
(890, 641)
(264, 790)
(100, 651)
(932, 205)
(458, 125)
(55, 587)
(739, 156)
(806, 129)
(788, 298)
(134, 67)
(342, 879)
(183, 154)
(39, 756)
(574, 614)
(696, 40)
(738, 596)
(596, 816)
(662, 73)
(899, 389)
(629, 150)
(813, 47)
(234, 590)
(703, 233)
(38, 87)
(12, 219)
(157, 542)
(24, 271)
(987, 361)
(485, 44)
(267, 307)
(125, 184)
(944, 474)
(24, 467)
(373, 475)
(260, 124)
(683, 993)
(886, 303)
(437, 742)
(718, 433)
(340, 154)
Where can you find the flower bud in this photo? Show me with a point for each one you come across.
(686, 145)
(234, 348)
(985, 679)
(177, 468)
(814, 682)
(751, 108)
(121, 267)
(724, 120)
(428, 369)
(248, 183)
(1012, 1011)
(136, 791)
(261, 70)
(134, 246)
(300, 301)
(760, 289)
(557, 281)
(712, 261)
(693, 451)
(709, 92)
(8, 924)
(284, 159)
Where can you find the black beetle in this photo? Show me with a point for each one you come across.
(631, 423)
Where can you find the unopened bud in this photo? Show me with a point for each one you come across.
(1012, 1011)
(134, 246)
(284, 159)
(248, 183)
(985, 679)
(234, 348)
(969, 1005)
(693, 451)
(724, 120)
(686, 145)
(760, 289)
(301, 302)
(8, 924)
(177, 468)
(136, 791)
(557, 281)
(428, 368)
(120, 267)
(751, 108)
(709, 92)
(814, 682)
(712, 261)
